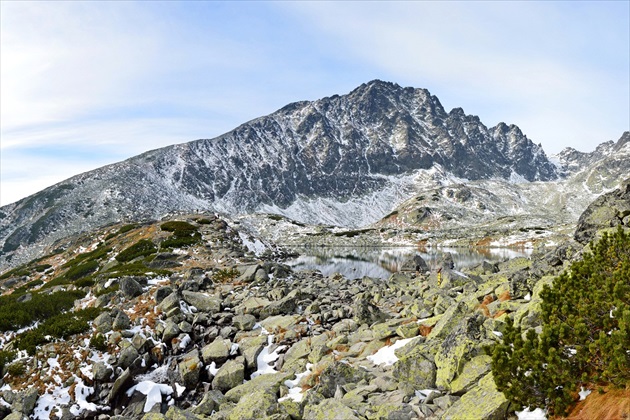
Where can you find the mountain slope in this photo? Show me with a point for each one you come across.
(346, 160)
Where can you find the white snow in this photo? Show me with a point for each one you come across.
(386, 356)
(212, 369)
(536, 414)
(584, 393)
(153, 392)
(255, 246)
(266, 360)
(295, 392)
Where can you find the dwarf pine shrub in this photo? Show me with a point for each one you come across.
(585, 339)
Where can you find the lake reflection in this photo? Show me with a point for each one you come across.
(355, 263)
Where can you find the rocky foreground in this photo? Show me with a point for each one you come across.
(231, 333)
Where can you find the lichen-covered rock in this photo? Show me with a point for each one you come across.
(608, 210)
(170, 302)
(329, 409)
(477, 367)
(210, 403)
(484, 402)
(103, 322)
(461, 345)
(127, 356)
(229, 376)
(218, 351)
(121, 322)
(269, 383)
(280, 323)
(451, 317)
(244, 322)
(250, 348)
(190, 369)
(365, 311)
(25, 401)
(257, 405)
(203, 302)
(392, 412)
(336, 374)
(414, 371)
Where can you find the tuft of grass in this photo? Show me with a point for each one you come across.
(225, 275)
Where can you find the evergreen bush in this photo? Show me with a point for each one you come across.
(141, 248)
(585, 340)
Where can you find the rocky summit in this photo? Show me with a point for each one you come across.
(344, 160)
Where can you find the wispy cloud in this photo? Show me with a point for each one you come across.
(84, 84)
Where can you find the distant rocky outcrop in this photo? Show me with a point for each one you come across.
(609, 210)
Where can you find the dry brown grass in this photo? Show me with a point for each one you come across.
(504, 296)
(425, 330)
(611, 405)
(483, 306)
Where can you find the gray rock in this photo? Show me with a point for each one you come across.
(171, 330)
(190, 369)
(121, 322)
(218, 351)
(130, 287)
(102, 372)
(414, 371)
(127, 356)
(202, 301)
(161, 293)
(119, 385)
(336, 374)
(170, 302)
(230, 375)
(25, 401)
(244, 322)
(103, 322)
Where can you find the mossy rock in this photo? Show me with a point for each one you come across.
(269, 383)
(329, 409)
(256, 405)
(483, 402)
(477, 367)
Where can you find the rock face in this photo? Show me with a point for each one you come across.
(355, 147)
(609, 210)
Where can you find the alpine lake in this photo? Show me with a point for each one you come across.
(377, 262)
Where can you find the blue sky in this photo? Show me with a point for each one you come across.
(84, 84)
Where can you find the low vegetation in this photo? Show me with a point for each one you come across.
(15, 314)
(60, 326)
(142, 248)
(585, 336)
(183, 234)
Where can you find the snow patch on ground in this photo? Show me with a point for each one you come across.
(386, 356)
(153, 392)
(536, 414)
